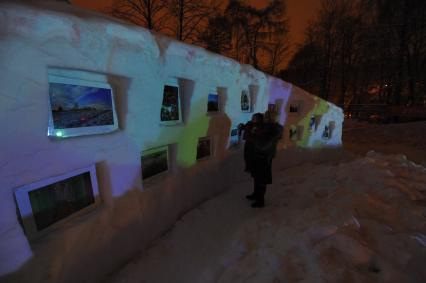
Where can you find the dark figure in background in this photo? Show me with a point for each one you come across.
(265, 144)
(252, 130)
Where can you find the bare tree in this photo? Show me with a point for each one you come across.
(263, 25)
(147, 13)
(190, 17)
(216, 36)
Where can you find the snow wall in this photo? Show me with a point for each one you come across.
(55, 38)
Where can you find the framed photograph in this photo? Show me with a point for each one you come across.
(79, 107)
(204, 148)
(295, 107)
(234, 138)
(171, 113)
(312, 123)
(326, 132)
(45, 204)
(245, 101)
(213, 102)
(154, 161)
(293, 135)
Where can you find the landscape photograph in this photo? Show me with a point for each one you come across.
(75, 106)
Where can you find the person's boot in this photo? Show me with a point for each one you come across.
(258, 203)
(251, 196)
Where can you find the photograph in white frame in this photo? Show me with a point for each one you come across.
(312, 123)
(294, 107)
(171, 110)
(293, 135)
(78, 107)
(213, 101)
(204, 148)
(234, 138)
(45, 204)
(245, 101)
(155, 161)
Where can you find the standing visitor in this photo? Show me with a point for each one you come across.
(265, 143)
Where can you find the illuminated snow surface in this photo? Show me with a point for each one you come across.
(360, 219)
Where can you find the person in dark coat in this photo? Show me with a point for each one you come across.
(265, 144)
(251, 131)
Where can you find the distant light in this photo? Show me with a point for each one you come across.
(59, 134)
(386, 85)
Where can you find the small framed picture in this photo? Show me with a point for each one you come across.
(245, 101)
(171, 113)
(79, 107)
(328, 130)
(312, 123)
(45, 204)
(293, 135)
(294, 107)
(154, 162)
(213, 102)
(204, 148)
(234, 138)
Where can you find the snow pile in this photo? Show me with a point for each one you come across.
(359, 221)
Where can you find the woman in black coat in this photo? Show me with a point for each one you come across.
(265, 143)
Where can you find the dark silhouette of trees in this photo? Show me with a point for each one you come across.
(146, 13)
(250, 35)
(257, 36)
(363, 51)
(189, 17)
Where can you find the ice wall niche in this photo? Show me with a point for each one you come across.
(99, 86)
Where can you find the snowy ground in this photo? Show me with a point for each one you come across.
(357, 220)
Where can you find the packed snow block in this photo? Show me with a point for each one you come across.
(44, 43)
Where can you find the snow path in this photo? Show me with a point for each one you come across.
(356, 221)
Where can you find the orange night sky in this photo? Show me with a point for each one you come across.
(298, 11)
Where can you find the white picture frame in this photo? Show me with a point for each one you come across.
(153, 164)
(28, 197)
(171, 103)
(246, 106)
(213, 101)
(205, 148)
(79, 107)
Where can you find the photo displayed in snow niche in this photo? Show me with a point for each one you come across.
(314, 122)
(293, 133)
(154, 161)
(295, 107)
(245, 101)
(331, 127)
(234, 138)
(213, 102)
(204, 148)
(170, 108)
(44, 204)
(79, 107)
(326, 133)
